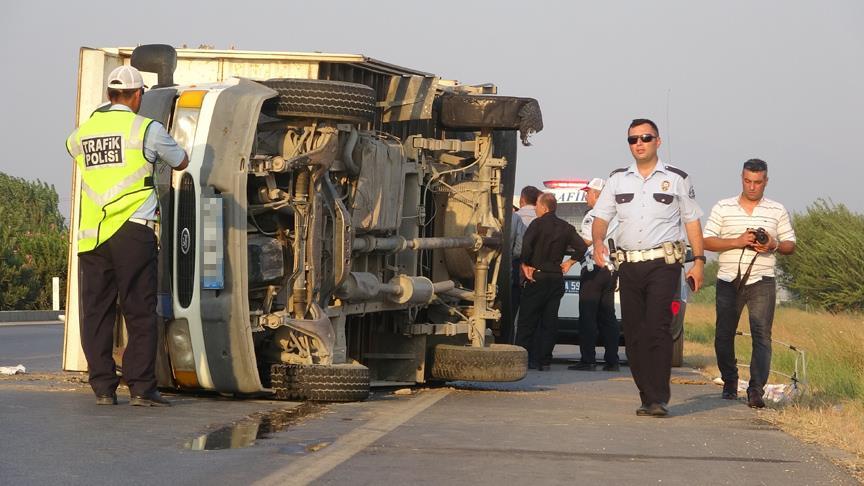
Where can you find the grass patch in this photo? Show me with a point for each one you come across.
(831, 410)
(833, 346)
(706, 295)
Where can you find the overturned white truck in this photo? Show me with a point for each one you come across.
(342, 221)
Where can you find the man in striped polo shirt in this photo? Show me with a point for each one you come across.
(747, 230)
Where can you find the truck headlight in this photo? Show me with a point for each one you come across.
(186, 118)
(181, 354)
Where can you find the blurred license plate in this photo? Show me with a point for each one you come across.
(571, 286)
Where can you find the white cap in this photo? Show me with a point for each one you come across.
(596, 183)
(125, 77)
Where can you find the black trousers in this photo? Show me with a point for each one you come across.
(515, 287)
(597, 313)
(538, 317)
(124, 267)
(647, 290)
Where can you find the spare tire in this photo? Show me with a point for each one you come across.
(320, 383)
(497, 362)
(470, 112)
(315, 98)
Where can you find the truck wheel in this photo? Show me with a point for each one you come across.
(320, 383)
(678, 351)
(315, 98)
(470, 112)
(497, 362)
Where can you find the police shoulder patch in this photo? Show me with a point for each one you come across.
(622, 169)
(676, 170)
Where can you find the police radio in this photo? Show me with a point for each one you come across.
(616, 257)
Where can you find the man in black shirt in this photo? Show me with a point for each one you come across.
(544, 245)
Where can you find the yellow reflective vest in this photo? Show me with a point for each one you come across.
(116, 179)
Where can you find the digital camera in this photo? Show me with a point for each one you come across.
(760, 234)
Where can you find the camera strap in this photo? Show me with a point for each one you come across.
(742, 281)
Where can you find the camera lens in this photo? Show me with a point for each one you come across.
(761, 236)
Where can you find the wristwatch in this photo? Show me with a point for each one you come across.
(700, 257)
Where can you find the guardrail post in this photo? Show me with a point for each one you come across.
(55, 293)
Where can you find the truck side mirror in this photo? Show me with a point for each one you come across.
(156, 58)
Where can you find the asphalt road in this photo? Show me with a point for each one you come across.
(558, 427)
(36, 346)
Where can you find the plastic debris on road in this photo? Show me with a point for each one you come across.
(777, 393)
(13, 370)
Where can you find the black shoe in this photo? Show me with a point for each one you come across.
(107, 399)
(545, 368)
(583, 366)
(642, 411)
(754, 399)
(657, 410)
(612, 367)
(152, 399)
(730, 390)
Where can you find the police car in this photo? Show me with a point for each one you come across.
(572, 208)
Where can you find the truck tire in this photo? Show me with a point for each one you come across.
(497, 362)
(320, 383)
(470, 112)
(315, 98)
(678, 351)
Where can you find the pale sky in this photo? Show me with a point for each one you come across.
(725, 81)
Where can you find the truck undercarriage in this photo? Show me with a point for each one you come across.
(331, 234)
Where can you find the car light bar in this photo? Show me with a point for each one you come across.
(565, 184)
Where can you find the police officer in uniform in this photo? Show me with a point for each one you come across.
(115, 152)
(546, 241)
(596, 296)
(651, 200)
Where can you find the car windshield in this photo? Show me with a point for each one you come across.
(572, 213)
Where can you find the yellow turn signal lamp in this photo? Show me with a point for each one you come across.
(192, 98)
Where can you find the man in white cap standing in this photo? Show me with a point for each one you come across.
(116, 151)
(596, 296)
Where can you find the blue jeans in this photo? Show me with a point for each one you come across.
(760, 298)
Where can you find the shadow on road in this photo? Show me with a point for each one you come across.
(516, 386)
(700, 403)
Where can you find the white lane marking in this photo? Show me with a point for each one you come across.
(315, 465)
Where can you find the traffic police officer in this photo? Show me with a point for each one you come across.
(115, 152)
(651, 199)
(596, 296)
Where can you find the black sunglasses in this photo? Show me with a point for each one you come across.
(645, 137)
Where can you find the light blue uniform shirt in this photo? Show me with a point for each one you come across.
(517, 232)
(157, 145)
(585, 232)
(650, 210)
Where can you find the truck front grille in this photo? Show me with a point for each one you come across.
(186, 241)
